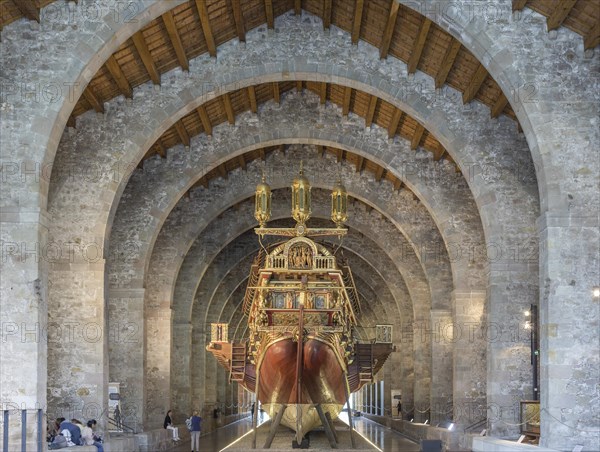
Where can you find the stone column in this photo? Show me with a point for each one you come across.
(158, 367)
(23, 316)
(126, 351)
(422, 369)
(407, 367)
(181, 377)
(469, 384)
(198, 368)
(441, 366)
(569, 333)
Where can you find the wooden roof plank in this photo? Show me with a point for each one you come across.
(592, 38)
(339, 155)
(93, 100)
(389, 30)
(228, 108)
(175, 39)
(117, 74)
(206, 124)
(499, 105)
(394, 122)
(398, 184)
(299, 86)
(475, 84)
(28, 9)
(323, 92)
(447, 63)
(518, 5)
(326, 14)
(140, 44)
(182, 132)
(347, 97)
(252, 99)
(560, 13)
(238, 18)
(418, 46)
(222, 170)
(416, 138)
(360, 163)
(371, 111)
(269, 13)
(276, 93)
(379, 173)
(206, 28)
(358, 13)
(242, 161)
(297, 7)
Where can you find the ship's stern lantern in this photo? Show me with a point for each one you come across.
(262, 203)
(339, 204)
(301, 208)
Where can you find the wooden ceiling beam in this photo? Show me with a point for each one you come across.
(323, 92)
(447, 63)
(276, 94)
(262, 154)
(72, 122)
(418, 46)
(358, 13)
(592, 38)
(326, 14)
(560, 13)
(169, 22)
(498, 106)
(339, 155)
(269, 13)
(379, 173)
(252, 99)
(28, 9)
(321, 150)
(206, 29)
(93, 100)
(117, 74)
(474, 84)
(142, 48)
(371, 111)
(439, 153)
(416, 138)
(183, 133)
(360, 162)
(398, 184)
(297, 7)
(394, 122)
(162, 151)
(238, 18)
(518, 5)
(242, 161)
(228, 108)
(299, 86)
(206, 124)
(347, 97)
(389, 30)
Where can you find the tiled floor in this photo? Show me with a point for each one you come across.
(383, 438)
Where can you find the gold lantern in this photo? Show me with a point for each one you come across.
(262, 203)
(301, 198)
(339, 204)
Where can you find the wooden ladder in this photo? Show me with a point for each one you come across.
(364, 357)
(238, 362)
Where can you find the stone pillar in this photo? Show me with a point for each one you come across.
(77, 349)
(469, 385)
(422, 368)
(158, 367)
(407, 367)
(23, 316)
(513, 288)
(181, 377)
(126, 351)
(441, 366)
(569, 333)
(199, 355)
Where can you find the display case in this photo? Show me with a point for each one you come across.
(530, 417)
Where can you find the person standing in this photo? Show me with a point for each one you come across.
(195, 431)
(168, 424)
(399, 406)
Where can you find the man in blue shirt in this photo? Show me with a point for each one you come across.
(195, 432)
(73, 430)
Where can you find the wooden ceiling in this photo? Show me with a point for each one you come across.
(225, 108)
(581, 16)
(11, 10)
(360, 163)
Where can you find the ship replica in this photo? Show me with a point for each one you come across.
(301, 359)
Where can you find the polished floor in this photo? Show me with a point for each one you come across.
(383, 438)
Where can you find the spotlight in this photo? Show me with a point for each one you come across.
(451, 426)
(412, 419)
(426, 421)
(596, 292)
(527, 325)
(527, 313)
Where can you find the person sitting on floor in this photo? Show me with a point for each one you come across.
(88, 436)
